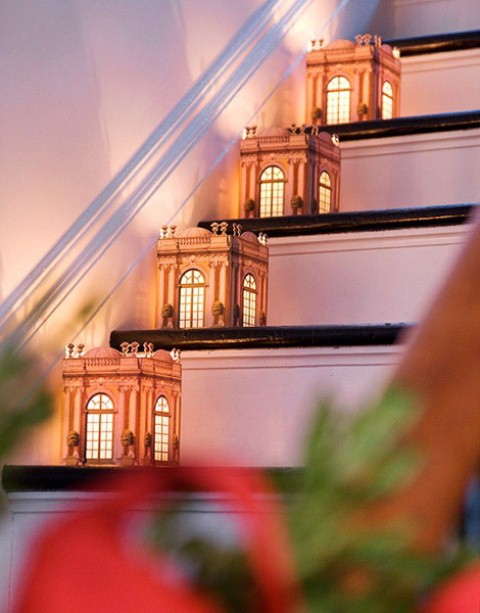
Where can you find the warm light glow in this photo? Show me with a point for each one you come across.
(192, 300)
(272, 192)
(338, 100)
(309, 26)
(249, 292)
(325, 193)
(161, 430)
(99, 437)
(396, 53)
(387, 101)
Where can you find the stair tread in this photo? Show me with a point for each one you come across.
(356, 221)
(437, 43)
(265, 337)
(404, 126)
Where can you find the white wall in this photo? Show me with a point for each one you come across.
(422, 17)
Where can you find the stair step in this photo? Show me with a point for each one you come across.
(265, 337)
(355, 221)
(248, 393)
(26, 478)
(436, 43)
(404, 126)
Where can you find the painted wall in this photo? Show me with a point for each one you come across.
(422, 17)
(84, 83)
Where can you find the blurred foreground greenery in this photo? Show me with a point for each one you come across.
(24, 400)
(351, 461)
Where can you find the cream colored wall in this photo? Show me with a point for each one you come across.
(422, 17)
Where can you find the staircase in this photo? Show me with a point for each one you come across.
(343, 286)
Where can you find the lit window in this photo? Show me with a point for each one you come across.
(338, 100)
(161, 430)
(272, 192)
(249, 290)
(99, 438)
(192, 300)
(324, 193)
(387, 101)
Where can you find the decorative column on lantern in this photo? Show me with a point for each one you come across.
(289, 171)
(121, 407)
(214, 278)
(352, 81)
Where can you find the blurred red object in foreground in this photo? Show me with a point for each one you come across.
(81, 563)
(460, 594)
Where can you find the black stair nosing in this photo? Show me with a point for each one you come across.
(264, 337)
(60, 478)
(436, 43)
(404, 126)
(354, 221)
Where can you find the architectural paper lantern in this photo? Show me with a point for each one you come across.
(288, 172)
(212, 278)
(352, 81)
(121, 407)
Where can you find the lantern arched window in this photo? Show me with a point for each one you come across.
(161, 430)
(99, 429)
(324, 193)
(249, 299)
(387, 100)
(272, 192)
(192, 300)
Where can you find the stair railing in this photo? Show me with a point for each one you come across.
(46, 287)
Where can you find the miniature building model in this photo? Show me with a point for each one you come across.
(288, 172)
(121, 407)
(349, 81)
(211, 278)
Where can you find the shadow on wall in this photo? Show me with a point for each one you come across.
(363, 16)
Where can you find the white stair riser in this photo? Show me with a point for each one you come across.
(410, 171)
(253, 407)
(358, 278)
(440, 83)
